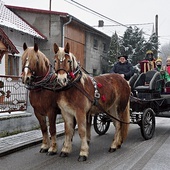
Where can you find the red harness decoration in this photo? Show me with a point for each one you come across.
(99, 85)
(103, 98)
(72, 75)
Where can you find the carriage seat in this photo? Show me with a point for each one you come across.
(132, 81)
(167, 87)
(148, 82)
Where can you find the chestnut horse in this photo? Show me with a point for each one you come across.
(86, 96)
(36, 72)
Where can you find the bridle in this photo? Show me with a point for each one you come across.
(41, 81)
(33, 73)
(34, 76)
(72, 73)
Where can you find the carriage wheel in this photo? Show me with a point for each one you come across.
(148, 123)
(101, 123)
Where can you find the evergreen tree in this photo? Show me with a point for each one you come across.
(152, 44)
(114, 50)
(133, 44)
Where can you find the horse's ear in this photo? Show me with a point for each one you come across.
(67, 48)
(35, 47)
(24, 46)
(56, 48)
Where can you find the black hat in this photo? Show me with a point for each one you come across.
(125, 56)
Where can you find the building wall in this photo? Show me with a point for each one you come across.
(95, 55)
(2, 66)
(17, 38)
(80, 38)
(49, 26)
(75, 36)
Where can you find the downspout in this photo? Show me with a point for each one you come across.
(70, 19)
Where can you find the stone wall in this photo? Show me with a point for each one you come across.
(17, 122)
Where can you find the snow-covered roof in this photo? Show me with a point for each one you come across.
(11, 20)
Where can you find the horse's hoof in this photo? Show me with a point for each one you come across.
(82, 158)
(119, 146)
(63, 154)
(112, 150)
(43, 150)
(51, 153)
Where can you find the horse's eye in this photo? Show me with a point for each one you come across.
(55, 61)
(69, 61)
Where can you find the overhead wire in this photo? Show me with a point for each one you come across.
(94, 12)
(103, 16)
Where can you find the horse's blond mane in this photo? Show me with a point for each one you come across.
(75, 63)
(34, 57)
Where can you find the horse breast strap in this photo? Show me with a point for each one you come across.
(96, 92)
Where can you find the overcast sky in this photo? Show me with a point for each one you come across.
(139, 12)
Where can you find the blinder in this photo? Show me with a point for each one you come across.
(34, 77)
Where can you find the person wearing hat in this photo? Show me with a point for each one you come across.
(123, 67)
(158, 64)
(148, 63)
(167, 69)
(159, 67)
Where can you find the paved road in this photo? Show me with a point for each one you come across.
(135, 154)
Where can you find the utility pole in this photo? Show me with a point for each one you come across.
(156, 31)
(50, 19)
(50, 6)
(50, 50)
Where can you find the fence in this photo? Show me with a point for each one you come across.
(13, 94)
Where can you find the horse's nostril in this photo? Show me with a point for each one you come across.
(27, 79)
(65, 80)
(59, 81)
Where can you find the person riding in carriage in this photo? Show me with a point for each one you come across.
(123, 67)
(148, 63)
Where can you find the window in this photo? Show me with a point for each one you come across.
(104, 47)
(13, 65)
(95, 44)
(94, 72)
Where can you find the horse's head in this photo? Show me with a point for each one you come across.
(34, 64)
(65, 64)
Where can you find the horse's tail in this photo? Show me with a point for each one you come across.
(125, 118)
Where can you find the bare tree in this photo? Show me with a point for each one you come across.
(165, 52)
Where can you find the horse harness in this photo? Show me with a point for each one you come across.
(96, 98)
(75, 82)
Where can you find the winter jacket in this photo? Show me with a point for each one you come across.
(123, 68)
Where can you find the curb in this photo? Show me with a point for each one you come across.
(6, 148)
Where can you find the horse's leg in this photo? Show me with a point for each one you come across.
(44, 130)
(88, 127)
(69, 131)
(117, 141)
(74, 126)
(82, 122)
(52, 124)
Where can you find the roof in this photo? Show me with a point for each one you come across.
(37, 10)
(8, 43)
(11, 20)
(61, 14)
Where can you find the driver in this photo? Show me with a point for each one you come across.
(123, 67)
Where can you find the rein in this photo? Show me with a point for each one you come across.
(47, 82)
(97, 105)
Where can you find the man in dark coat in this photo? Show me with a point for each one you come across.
(123, 67)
